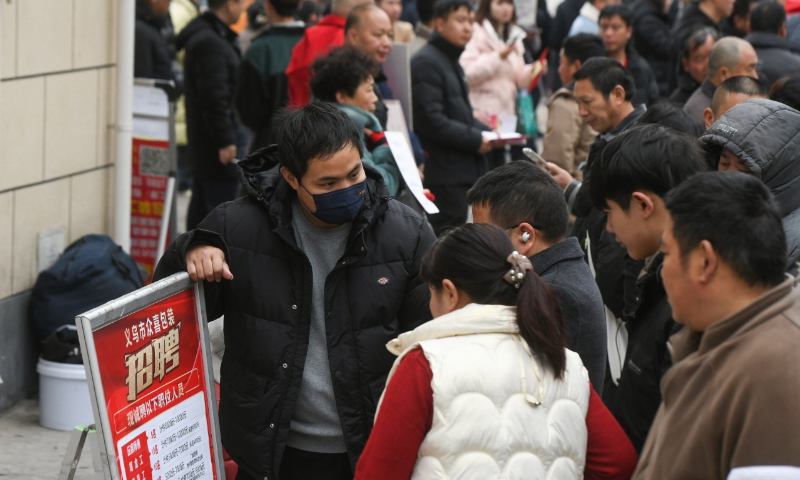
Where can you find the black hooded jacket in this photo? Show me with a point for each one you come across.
(371, 296)
(765, 136)
(210, 65)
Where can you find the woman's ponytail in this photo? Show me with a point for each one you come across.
(541, 323)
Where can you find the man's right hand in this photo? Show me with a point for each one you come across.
(561, 176)
(486, 146)
(204, 262)
(227, 154)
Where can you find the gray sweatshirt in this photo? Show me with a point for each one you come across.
(315, 425)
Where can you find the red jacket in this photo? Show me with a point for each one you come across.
(317, 40)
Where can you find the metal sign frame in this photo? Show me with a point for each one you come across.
(115, 310)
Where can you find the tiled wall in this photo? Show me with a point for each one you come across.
(57, 113)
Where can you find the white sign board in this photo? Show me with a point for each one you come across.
(408, 168)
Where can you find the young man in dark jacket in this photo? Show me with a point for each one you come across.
(262, 87)
(321, 270)
(524, 200)
(443, 116)
(768, 37)
(210, 64)
(603, 89)
(616, 29)
(629, 181)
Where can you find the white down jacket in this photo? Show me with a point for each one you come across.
(498, 413)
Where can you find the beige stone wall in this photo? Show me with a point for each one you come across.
(57, 111)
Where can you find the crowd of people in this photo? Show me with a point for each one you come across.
(624, 308)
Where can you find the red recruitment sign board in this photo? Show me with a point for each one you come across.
(151, 165)
(147, 360)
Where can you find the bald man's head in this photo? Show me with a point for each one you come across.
(369, 28)
(344, 7)
(731, 57)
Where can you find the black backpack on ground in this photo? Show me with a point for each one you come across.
(90, 272)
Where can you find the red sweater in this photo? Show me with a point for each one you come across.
(406, 416)
(317, 40)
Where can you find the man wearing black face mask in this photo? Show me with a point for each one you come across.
(326, 272)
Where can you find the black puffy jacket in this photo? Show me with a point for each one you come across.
(443, 117)
(210, 65)
(654, 41)
(154, 48)
(267, 308)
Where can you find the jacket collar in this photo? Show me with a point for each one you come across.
(473, 319)
(767, 40)
(423, 31)
(708, 88)
(332, 20)
(445, 46)
(268, 187)
(361, 117)
(567, 249)
(590, 11)
(765, 307)
(514, 33)
(625, 123)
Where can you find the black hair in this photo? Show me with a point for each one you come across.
(746, 85)
(645, 158)
(787, 91)
(741, 8)
(605, 74)
(738, 215)
(583, 46)
(474, 258)
(309, 8)
(317, 131)
(443, 8)
(342, 70)
(767, 16)
(696, 39)
(668, 115)
(520, 192)
(284, 8)
(620, 9)
(216, 4)
(425, 10)
(256, 15)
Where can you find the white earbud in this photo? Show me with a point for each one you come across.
(525, 237)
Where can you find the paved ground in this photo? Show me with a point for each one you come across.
(29, 451)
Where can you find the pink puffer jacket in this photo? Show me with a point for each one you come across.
(494, 82)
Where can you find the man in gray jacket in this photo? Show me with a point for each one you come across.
(762, 137)
(730, 57)
(524, 200)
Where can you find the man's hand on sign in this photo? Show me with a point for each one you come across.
(561, 176)
(204, 262)
(227, 154)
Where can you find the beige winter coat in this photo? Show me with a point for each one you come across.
(568, 137)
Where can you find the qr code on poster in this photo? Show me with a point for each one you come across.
(153, 161)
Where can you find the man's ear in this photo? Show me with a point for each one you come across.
(782, 31)
(723, 74)
(341, 97)
(705, 262)
(618, 95)
(439, 24)
(708, 117)
(290, 178)
(642, 202)
(532, 235)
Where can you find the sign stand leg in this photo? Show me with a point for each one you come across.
(74, 450)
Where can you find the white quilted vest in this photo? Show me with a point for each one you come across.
(497, 413)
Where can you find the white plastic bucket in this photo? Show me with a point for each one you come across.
(63, 396)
